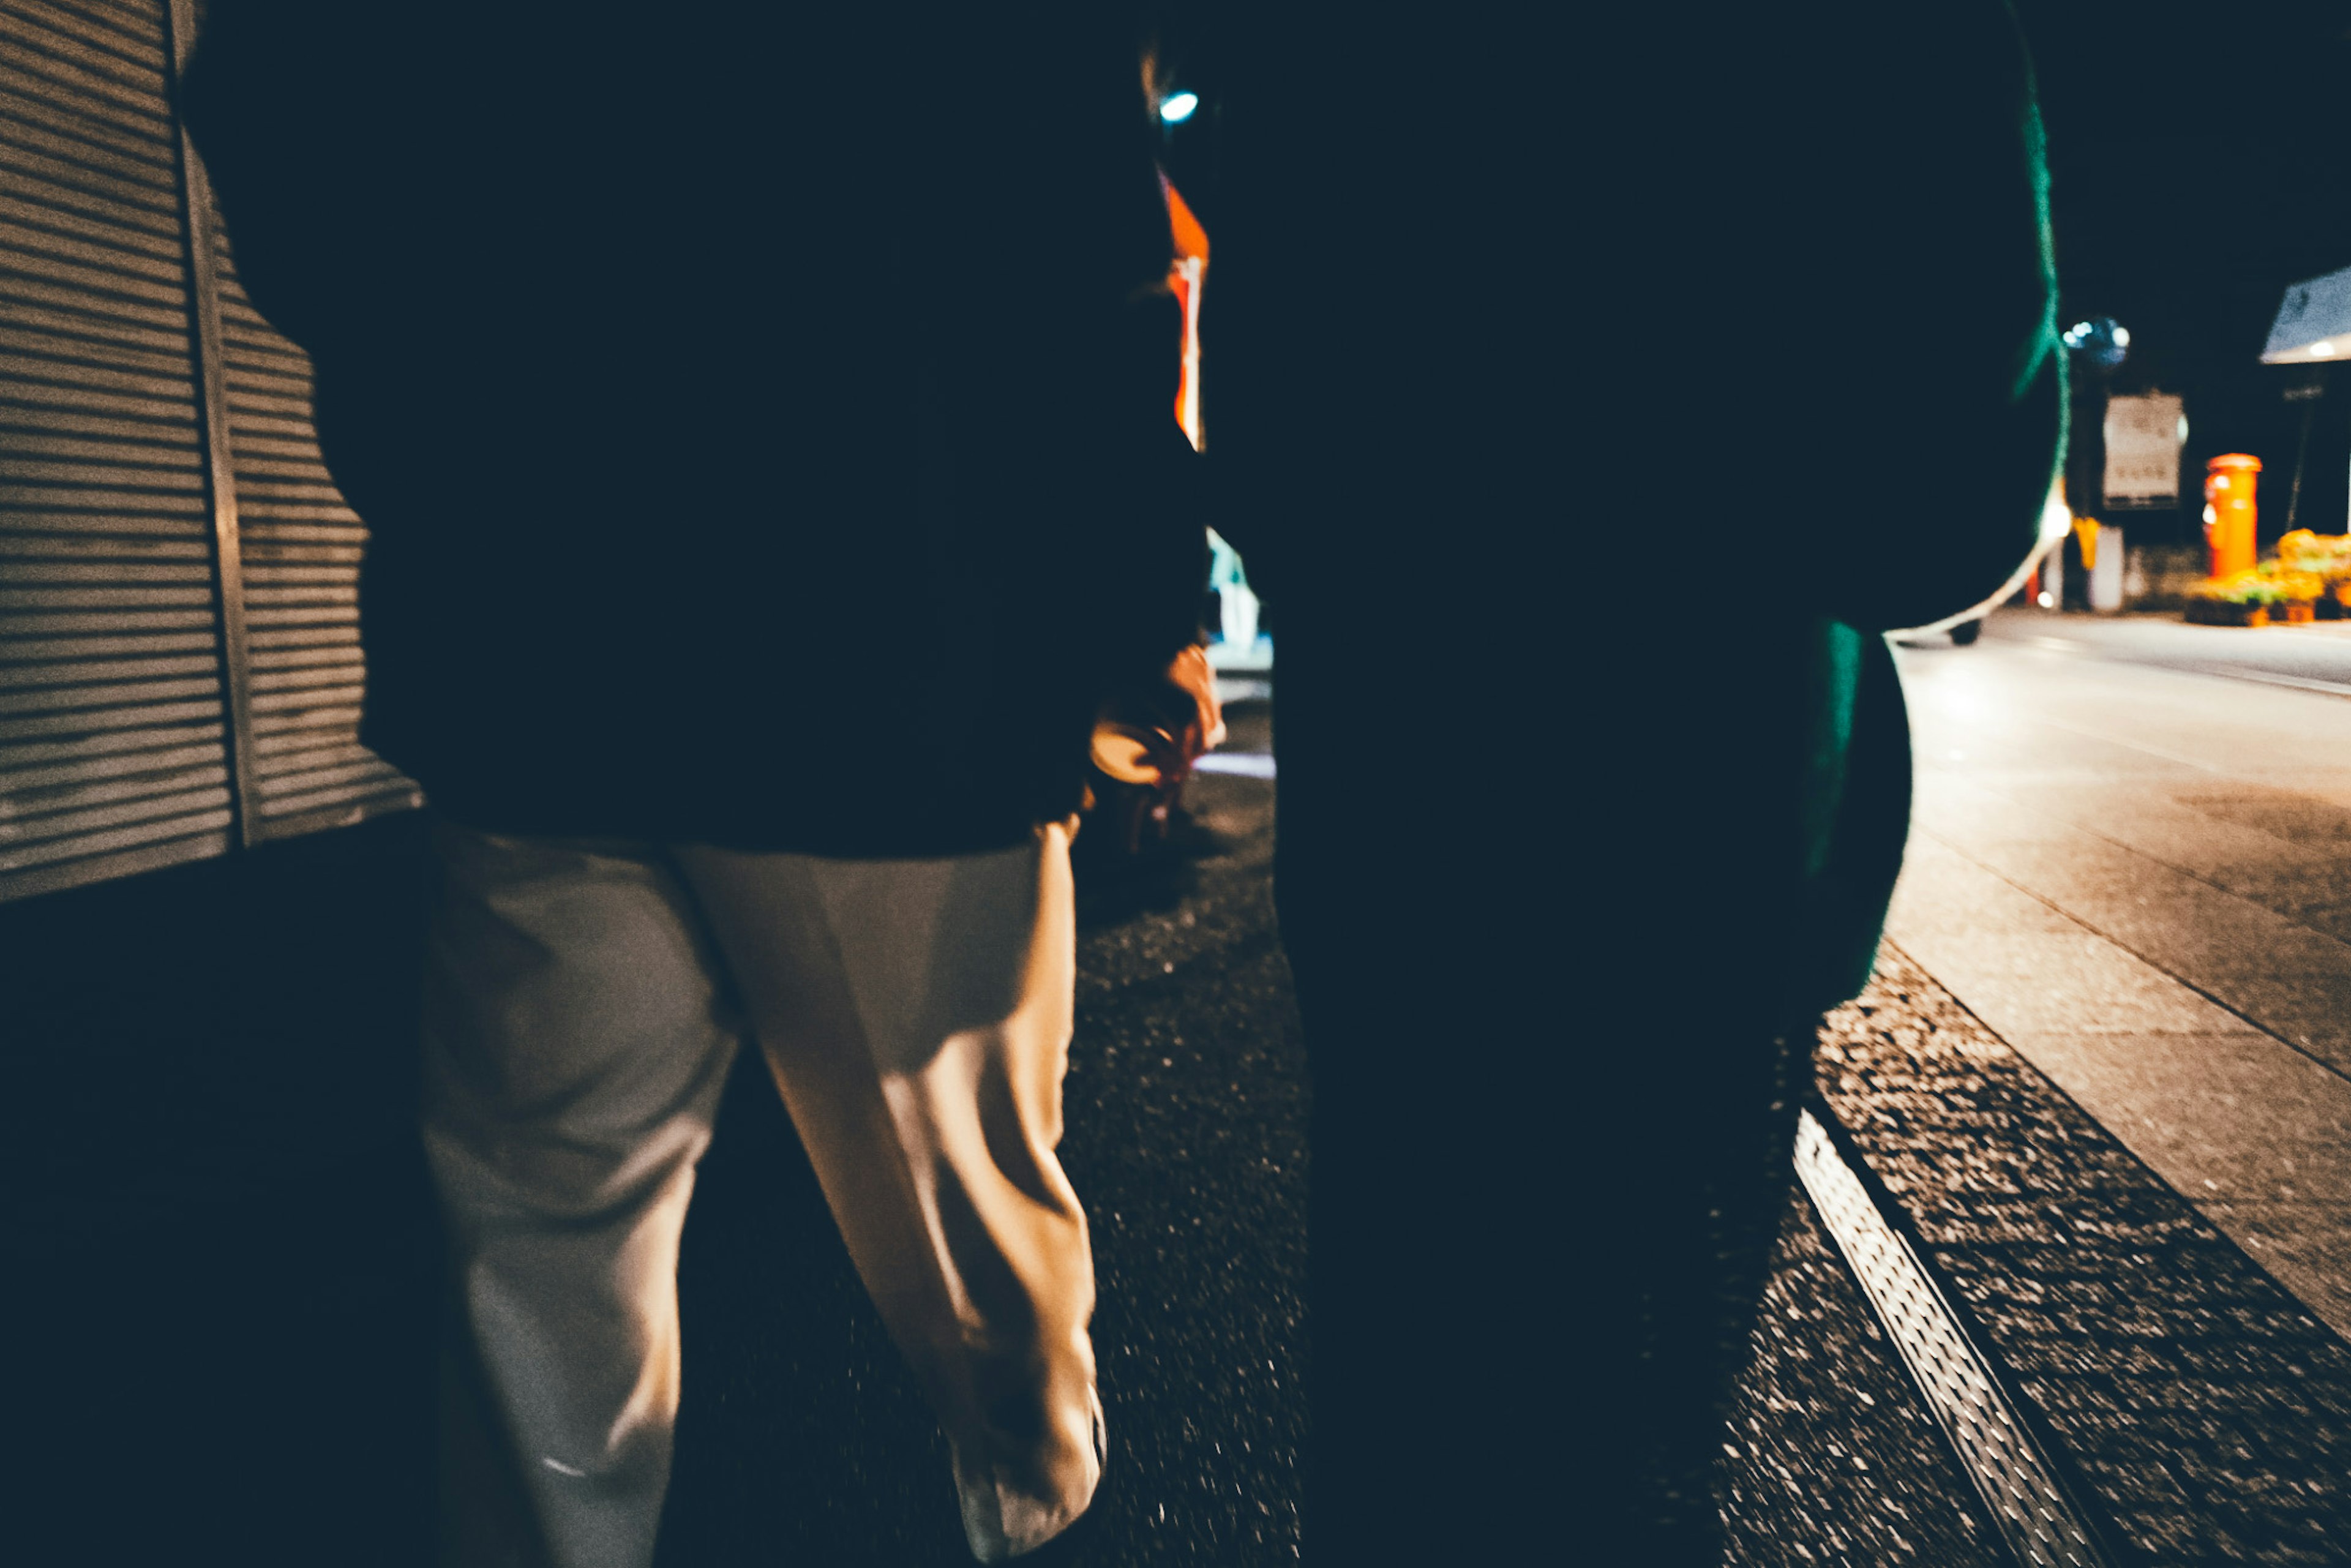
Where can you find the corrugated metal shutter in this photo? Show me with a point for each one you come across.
(114, 746)
(179, 662)
(301, 564)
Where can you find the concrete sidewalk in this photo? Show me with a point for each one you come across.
(2141, 879)
(2106, 1067)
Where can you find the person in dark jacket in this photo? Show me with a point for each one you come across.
(763, 427)
(1646, 313)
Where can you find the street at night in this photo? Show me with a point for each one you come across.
(642, 752)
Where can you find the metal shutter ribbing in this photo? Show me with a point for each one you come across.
(301, 561)
(113, 724)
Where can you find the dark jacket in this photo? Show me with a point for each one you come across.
(1592, 386)
(1595, 385)
(762, 419)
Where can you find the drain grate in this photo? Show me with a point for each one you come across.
(2043, 1525)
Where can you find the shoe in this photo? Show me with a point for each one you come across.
(983, 1510)
(1073, 1548)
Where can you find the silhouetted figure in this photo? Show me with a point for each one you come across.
(1588, 388)
(763, 420)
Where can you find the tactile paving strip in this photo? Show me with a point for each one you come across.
(2036, 1516)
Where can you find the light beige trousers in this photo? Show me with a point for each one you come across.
(581, 1012)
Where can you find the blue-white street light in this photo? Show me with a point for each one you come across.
(2101, 340)
(1177, 107)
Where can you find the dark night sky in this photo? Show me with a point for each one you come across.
(2201, 158)
(2200, 162)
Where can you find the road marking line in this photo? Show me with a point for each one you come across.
(2299, 683)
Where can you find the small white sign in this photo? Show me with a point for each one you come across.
(2142, 440)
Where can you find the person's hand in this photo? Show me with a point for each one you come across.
(1203, 729)
(1153, 737)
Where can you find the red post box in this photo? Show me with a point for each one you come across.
(2228, 511)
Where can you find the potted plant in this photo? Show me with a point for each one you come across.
(2243, 599)
(2298, 592)
(2325, 557)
